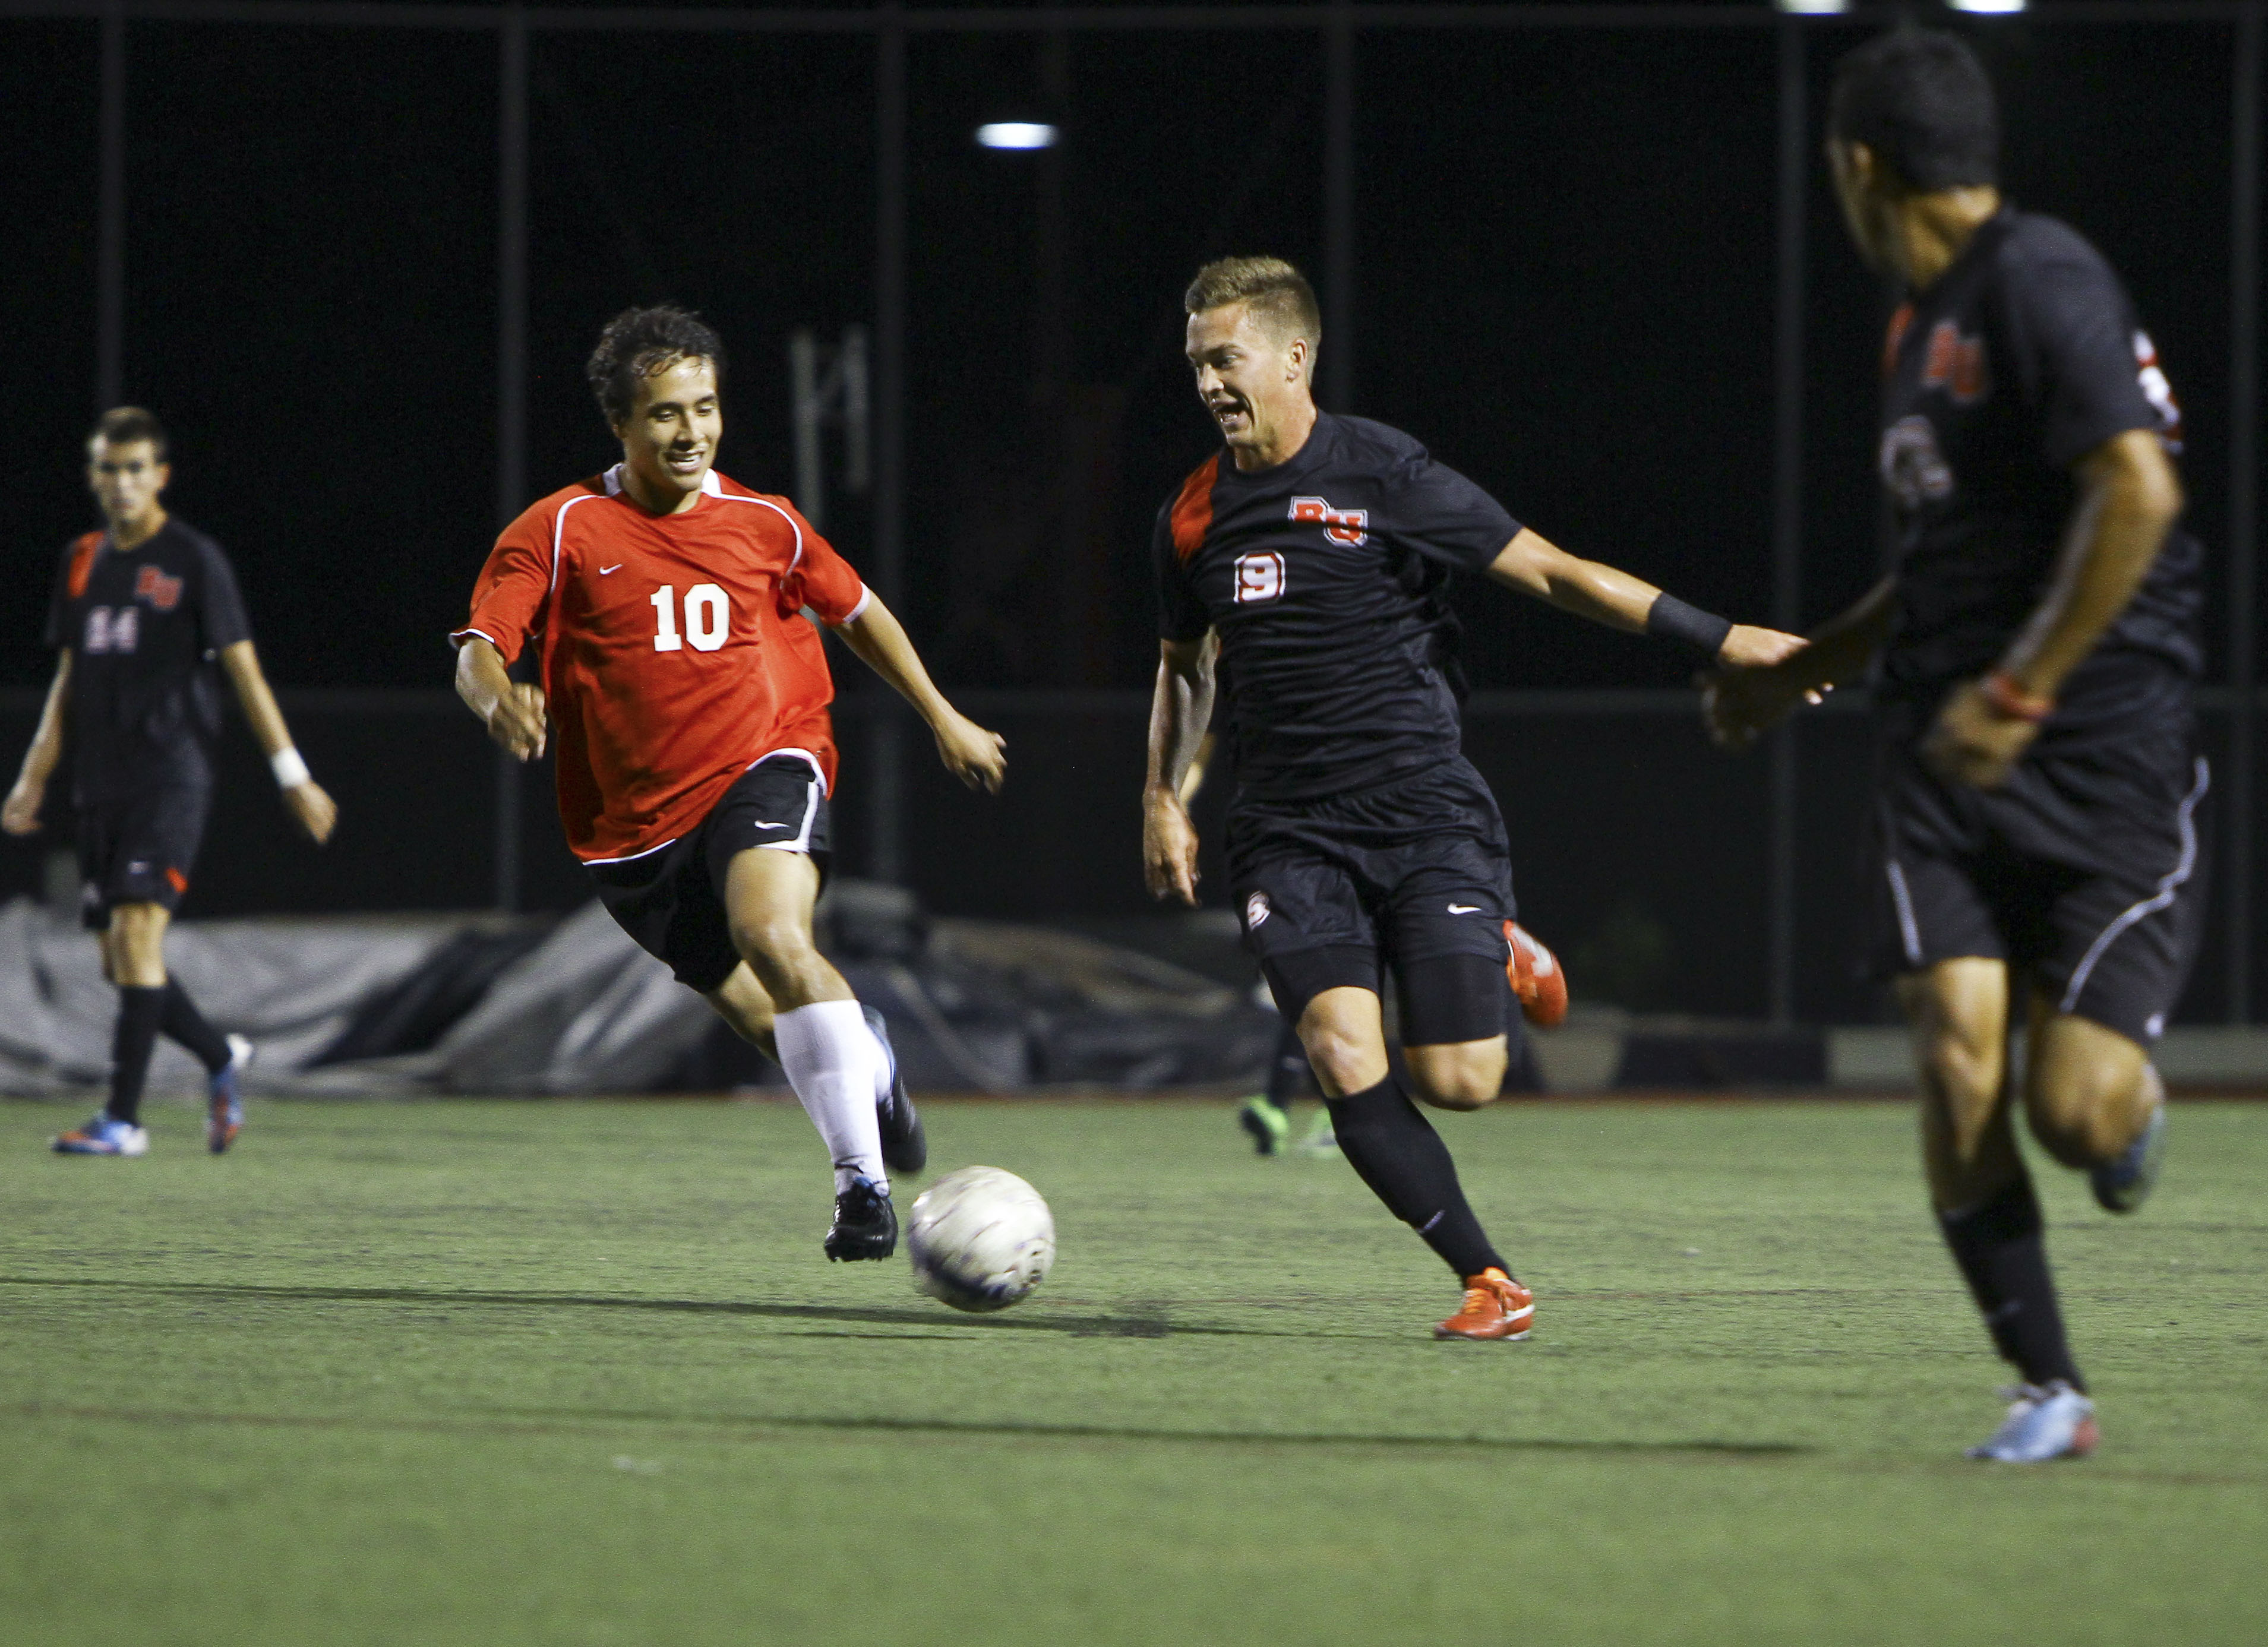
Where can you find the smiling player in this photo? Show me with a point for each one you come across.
(695, 755)
(1317, 558)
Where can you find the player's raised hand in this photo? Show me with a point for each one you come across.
(312, 809)
(977, 757)
(516, 719)
(1169, 847)
(21, 814)
(1748, 647)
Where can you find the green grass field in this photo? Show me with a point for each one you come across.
(575, 1372)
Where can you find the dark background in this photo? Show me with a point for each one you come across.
(1565, 255)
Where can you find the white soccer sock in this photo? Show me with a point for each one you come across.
(829, 1054)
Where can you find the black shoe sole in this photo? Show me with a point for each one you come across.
(1263, 1139)
(860, 1246)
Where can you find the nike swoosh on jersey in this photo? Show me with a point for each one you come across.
(1464, 908)
(760, 824)
(616, 567)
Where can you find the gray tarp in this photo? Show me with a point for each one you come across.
(289, 984)
(971, 1003)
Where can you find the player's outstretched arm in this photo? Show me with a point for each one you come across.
(21, 814)
(2129, 498)
(1534, 565)
(304, 798)
(1737, 705)
(512, 711)
(1180, 711)
(977, 757)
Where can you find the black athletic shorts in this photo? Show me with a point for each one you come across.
(2086, 871)
(672, 900)
(1414, 874)
(138, 849)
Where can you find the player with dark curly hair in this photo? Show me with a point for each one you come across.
(696, 755)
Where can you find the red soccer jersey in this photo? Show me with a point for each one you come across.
(673, 654)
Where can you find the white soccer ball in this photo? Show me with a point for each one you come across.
(980, 1238)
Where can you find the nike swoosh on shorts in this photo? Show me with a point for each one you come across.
(1464, 908)
(616, 567)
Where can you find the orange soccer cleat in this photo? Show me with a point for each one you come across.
(1537, 977)
(1495, 1307)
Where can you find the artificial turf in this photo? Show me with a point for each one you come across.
(575, 1372)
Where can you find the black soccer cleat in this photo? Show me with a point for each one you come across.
(865, 1224)
(905, 1146)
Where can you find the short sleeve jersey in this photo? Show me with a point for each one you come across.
(144, 628)
(2025, 355)
(674, 654)
(1327, 578)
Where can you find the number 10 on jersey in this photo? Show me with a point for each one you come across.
(708, 618)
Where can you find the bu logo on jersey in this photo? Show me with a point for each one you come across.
(1913, 466)
(159, 591)
(1259, 576)
(1956, 364)
(1340, 525)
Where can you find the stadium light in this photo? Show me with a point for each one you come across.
(1814, 8)
(1986, 5)
(1016, 133)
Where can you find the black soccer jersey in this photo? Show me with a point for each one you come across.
(2023, 358)
(1326, 578)
(144, 628)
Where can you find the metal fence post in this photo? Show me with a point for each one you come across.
(1339, 206)
(883, 778)
(1788, 512)
(2243, 500)
(512, 379)
(110, 217)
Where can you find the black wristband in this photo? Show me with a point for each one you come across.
(1672, 619)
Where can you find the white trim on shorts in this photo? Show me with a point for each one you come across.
(2170, 886)
(802, 841)
(1909, 929)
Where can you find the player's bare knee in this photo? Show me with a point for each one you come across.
(1339, 1061)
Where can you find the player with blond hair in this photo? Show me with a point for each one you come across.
(1312, 555)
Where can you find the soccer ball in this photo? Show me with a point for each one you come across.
(980, 1238)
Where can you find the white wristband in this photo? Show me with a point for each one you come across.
(289, 770)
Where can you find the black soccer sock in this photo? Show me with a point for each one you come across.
(1287, 1069)
(186, 1024)
(2002, 1250)
(1394, 1150)
(130, 1045)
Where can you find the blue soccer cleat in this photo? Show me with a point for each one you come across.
(905, 1145)
(225, 1103)
(104, 1135)
(2054, 1422)
(2125, 1183)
